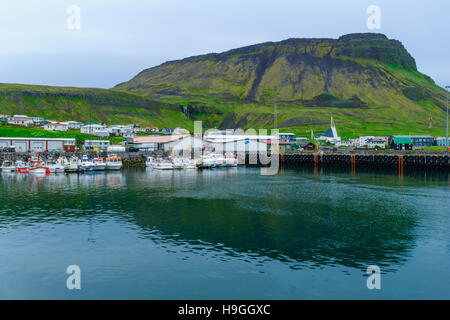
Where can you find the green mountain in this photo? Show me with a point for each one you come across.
(367, 82)
(105, 106)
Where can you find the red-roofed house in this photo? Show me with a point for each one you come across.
(26, 122)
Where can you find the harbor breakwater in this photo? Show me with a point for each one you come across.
(376, 160)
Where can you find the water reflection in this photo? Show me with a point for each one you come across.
(301, 218)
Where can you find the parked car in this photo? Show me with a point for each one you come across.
(8, 149)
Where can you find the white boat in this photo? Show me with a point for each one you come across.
(22, 167)
(113, 162)
(163, 165)
(149, 162)
(177, 163)
(8, 166)
(207, 162)
(99, 164)
(220, 160)
(37, 166)
(231, 160)
(74, 165)
(86, 164)
(189, 164)
(56, 166)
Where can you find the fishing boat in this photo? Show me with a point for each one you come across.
(206, 162)
(74, 165)
(189, 164)
(37, 166)
(231, 160)
(99, 164)
(8, 166)
(113, 162)
(220, 160)
(56, 166)
(86, 164)
(163, 165)
(149, 162)
(177, 163)
(22, 166)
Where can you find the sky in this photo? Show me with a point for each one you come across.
(42, 42)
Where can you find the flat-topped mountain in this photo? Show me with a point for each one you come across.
(363, 80)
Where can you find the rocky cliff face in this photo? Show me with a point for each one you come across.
(294, 69)
(365, 80)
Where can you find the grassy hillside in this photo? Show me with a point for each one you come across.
(19, 132)
(369, 83)
(107, 106)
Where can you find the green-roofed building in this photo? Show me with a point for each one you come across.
(401, 143)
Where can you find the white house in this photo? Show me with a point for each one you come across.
(26, 122)
(74, 125)
(57, 126)
(95, 129)
(347, 143)
(363, 141)
(372, 143)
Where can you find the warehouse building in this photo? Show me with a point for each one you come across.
(39, 144)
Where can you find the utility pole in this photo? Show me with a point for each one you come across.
(446, 138)
(275, 116)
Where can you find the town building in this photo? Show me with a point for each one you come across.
(96, 145)
(26, 122)
(362, 141)
(151, 129)
(440, 141)
(95, 129)
(57, 126)
(330, 135)
(74, 125)
(376, 143)
(417, 141)
(400, 143)
(170, 143)
(39, 144)
(166, 131)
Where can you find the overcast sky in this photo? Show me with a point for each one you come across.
(119, 38)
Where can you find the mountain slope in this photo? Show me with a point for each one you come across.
(107, 106)
(366, 81)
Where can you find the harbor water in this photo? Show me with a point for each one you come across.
(225, 234)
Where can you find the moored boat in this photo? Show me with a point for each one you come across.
(22, 167)
(113, 162)
(37, 166)
(86, 164)
(8, 166)
(74, 165)
(99, 164)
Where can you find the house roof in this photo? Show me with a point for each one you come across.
(402, 140)
(158, 139)
(21, 119)
(328, 134)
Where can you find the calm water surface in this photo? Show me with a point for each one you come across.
(222, 234)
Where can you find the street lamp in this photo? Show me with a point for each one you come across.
(446, 138)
